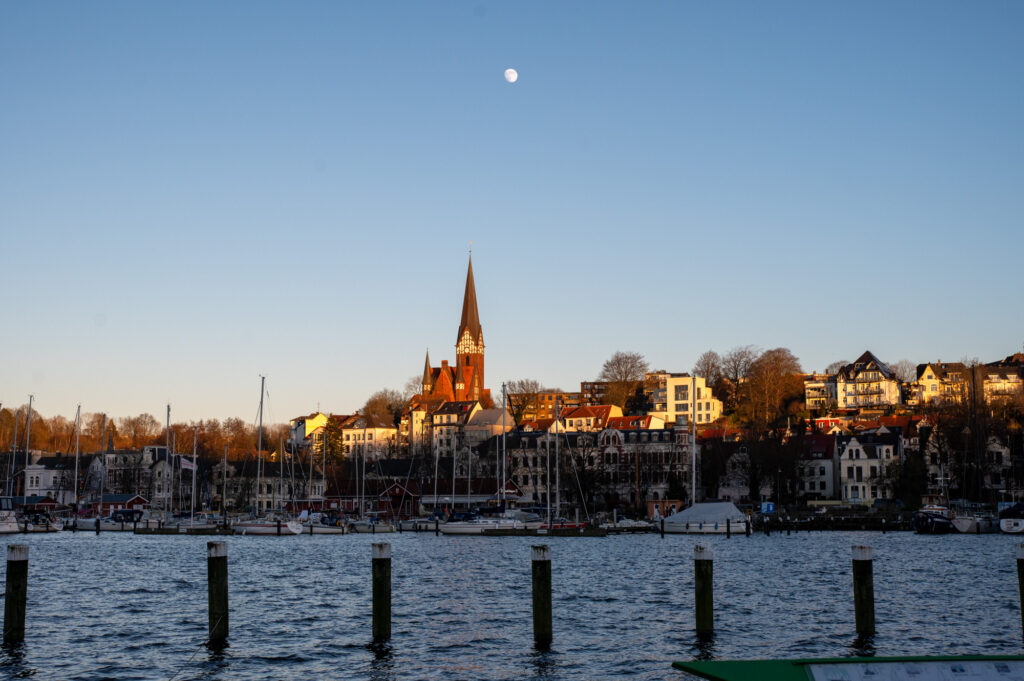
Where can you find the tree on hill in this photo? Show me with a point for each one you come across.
(623, 373)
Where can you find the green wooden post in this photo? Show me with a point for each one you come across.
(381, 592)
(17, 593)
(703, 588)
(542, 631)
(863, 590)
(217, 591)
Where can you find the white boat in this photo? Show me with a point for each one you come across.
(478, 525)
(976, 523)
(267, 527)
(716, 517)
(417, 525)
(1011, 520)
(8, 519)
(41, 522)
(318, 523)
(370, 525)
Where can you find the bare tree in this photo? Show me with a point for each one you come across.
(737, 362)
(834, 367)
(414, 386)
(709, 365)
(624, 374)
(905, 370)
(522, 397)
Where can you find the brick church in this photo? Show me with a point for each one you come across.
(464, 381)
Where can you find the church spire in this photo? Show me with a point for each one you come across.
(427, 375)
(470, 315)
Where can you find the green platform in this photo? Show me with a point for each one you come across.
(974, 667)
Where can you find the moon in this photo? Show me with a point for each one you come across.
(511, 75)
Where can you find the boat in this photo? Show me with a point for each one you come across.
(41, 522)
(370, 524)
(120, 520)
(712, 517)
(969, 518)
(627, 525)
(417, 524)
(267, 526)
(319, 523)
(1011, 520)
(8, 519)
(980, 667)
(480, 524)
(933, 519)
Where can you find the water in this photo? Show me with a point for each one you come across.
(126, 607)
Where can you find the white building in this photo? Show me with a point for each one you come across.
(674, 395)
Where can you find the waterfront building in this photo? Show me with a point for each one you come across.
(613, 468)
(368, 435)
(867, 382)
(448, 426)
(484, 424)
(301, 429)
(820, 391)
(591, 419)
(51, 476)
(818, 468)
(865, 466)
(675, 395)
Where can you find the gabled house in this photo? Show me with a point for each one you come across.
(863, 462)
(592, 419)
(867, 382)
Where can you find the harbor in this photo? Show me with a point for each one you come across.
(127, 607)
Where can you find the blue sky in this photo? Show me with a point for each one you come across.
(194, 194)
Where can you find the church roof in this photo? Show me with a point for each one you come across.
(470, 315)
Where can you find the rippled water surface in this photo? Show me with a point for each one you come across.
(124, 607)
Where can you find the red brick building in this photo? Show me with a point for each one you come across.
(464, 381)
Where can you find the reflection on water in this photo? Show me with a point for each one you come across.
(124, 607)
(12, 661)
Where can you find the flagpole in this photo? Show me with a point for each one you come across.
(192, 499)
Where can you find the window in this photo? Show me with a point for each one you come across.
(821, 485)
(849, 472)
(821, 471)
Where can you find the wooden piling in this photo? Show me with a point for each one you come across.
(17, 593)
(662, 528)
(1020, 581)
(381, 592)
(863, 590)
(728, 528)
(278, 527)
(437, 527)
(746, 526)
(97, 524)
(542, 631)
(703, 589)
(217, 590)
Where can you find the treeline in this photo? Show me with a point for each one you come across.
(56, 434)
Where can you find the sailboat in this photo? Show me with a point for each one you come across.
(263, 524)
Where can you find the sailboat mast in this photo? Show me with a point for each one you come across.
(259, 448)
(12, 464)
(558, 485)
(280, 463)
(504, 410)
(78, 425)
(192, 496)
(693, 441)
(167, 443)
(28, 437)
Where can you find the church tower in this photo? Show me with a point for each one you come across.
(469, 346)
